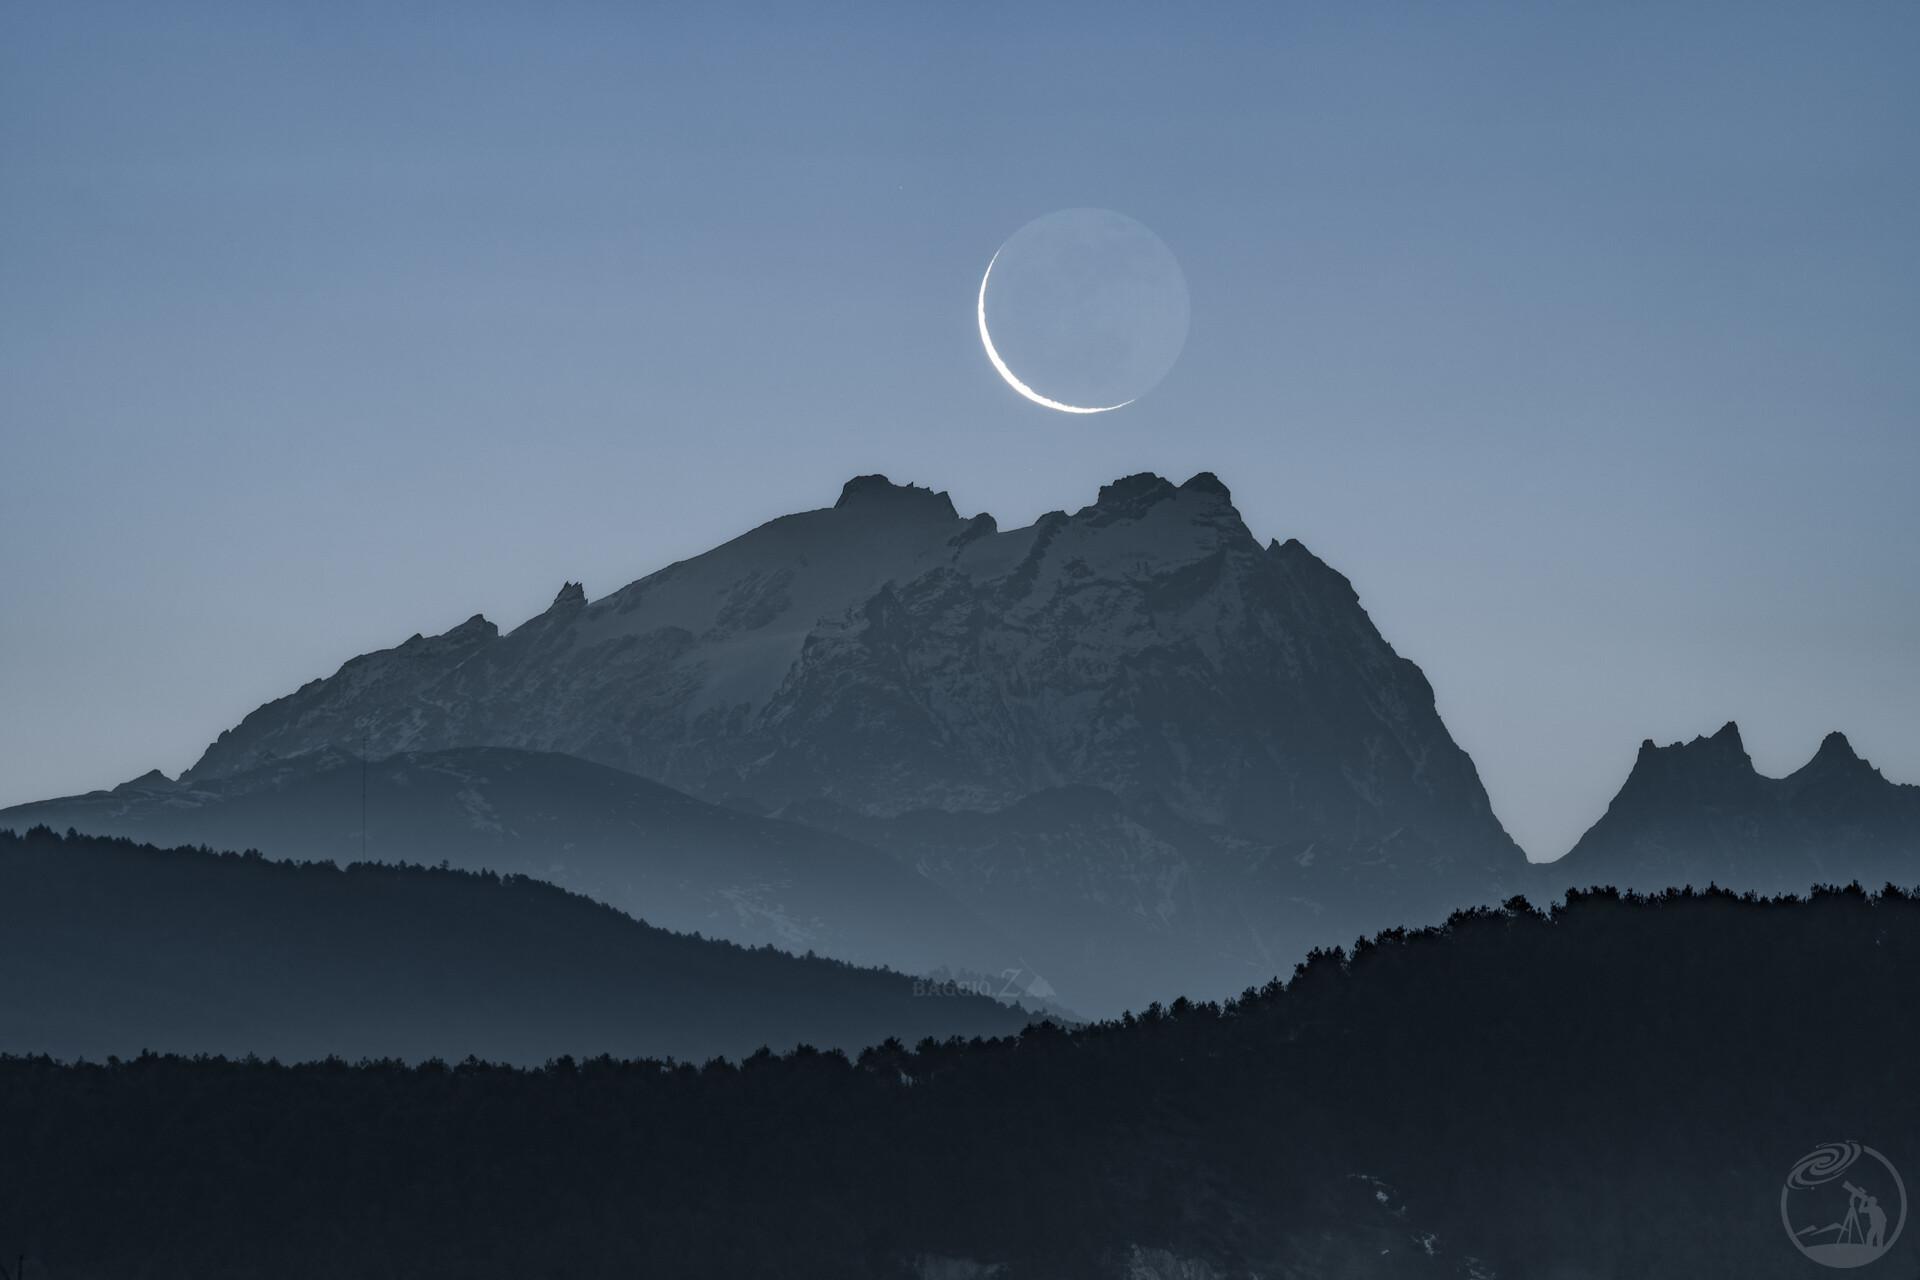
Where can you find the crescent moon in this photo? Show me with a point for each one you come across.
(986, 340)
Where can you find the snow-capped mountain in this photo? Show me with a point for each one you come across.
(1270, 774)
(1698, 813)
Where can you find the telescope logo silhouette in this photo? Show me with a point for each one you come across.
(1841, 1210)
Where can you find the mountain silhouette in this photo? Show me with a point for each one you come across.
(1698, 813)
(646, 849)
(113, 947)
(1273, 775)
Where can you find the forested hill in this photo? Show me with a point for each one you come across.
(111, 947)
(1616, 1088)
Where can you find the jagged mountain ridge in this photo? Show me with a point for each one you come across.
(1286, 778)
(1698, 812)
(887, 655)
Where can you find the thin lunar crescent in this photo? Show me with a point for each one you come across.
(986, 340)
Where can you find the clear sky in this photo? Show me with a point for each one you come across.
(1584, 338)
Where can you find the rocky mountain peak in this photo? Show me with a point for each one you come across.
(1131, 495)
(1728, 739)
(1145, 524)
(1207, 482)
(878, 492)
(475, 628)
(1713, 770)
(1836, 758)
(151, 780)
(1698, 812)
(888, 656)
(567, 606)
(1719, 758)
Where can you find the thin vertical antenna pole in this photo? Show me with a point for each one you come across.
(366, 749)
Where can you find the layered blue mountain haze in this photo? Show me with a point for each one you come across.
(1132, 746)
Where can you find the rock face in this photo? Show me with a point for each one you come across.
(1272, 773)
(1697, 813)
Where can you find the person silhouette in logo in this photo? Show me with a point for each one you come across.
(1876, 1223)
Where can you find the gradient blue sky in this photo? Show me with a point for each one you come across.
(1585, 339)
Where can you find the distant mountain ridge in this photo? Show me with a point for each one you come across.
(652, 852)
(1698, 812)
(112, 947)
(1284, 775)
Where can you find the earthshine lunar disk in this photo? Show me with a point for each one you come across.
(1088, 305)
(986, 340)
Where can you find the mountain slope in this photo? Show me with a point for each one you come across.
(1278, 775)
(1698, 813)
(888, 655)
(645, 849)
(112, 947)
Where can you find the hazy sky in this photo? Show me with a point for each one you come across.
(1585, 339)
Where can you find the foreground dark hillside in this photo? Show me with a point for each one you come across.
(109, 947)
(1615, 1089)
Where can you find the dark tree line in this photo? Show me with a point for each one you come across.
(1617, 1085)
